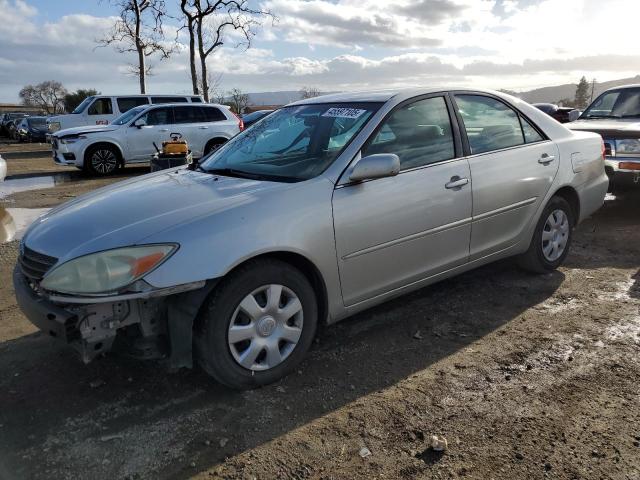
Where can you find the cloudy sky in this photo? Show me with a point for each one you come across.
(341, 45)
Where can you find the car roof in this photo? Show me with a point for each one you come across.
(624, 87)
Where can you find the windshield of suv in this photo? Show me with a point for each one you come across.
(129, 115)
(623, 103)
(80, 108)
(292, 144)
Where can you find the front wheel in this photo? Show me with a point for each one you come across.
(101, 160)
(257, 326)
(551, 238)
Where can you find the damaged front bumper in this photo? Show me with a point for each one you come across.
(150, 324)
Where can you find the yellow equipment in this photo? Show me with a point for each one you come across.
(175, 146)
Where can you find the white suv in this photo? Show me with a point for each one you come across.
(130, 138)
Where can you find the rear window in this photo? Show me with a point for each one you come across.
(213, 114)
(127, 103)
(168, 100)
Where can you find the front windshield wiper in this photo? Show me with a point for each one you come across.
(232, 172)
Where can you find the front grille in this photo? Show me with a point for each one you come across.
(34, 265)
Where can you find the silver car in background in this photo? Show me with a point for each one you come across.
(326, 207)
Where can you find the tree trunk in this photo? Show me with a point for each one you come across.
(203, 61)
(192, 57)
(142, 72)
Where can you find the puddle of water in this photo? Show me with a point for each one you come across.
(15, 185)
(14, 221)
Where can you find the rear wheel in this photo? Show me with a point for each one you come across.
(213, 145)
(102, 159)
(551, 238)
(257, 326)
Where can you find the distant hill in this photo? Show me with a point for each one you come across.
(559, 92)
(540, 95)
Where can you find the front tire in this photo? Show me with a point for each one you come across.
(102, 160)
(551, 238)
(257, 325)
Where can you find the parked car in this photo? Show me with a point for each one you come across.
(7, 119)
(251, 118)
(103, 109)
(12, 128)
(130, 138)
(31, 129)
(615, 115)
(327, 207)
(561, 114)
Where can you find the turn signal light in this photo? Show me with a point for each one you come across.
(629, 165)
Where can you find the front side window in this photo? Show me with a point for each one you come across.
(489, 123)
(623, 103)
(292, 144)
(127, 103)
(129, 115)
(419, 133)
(102, 106)
(158, 116)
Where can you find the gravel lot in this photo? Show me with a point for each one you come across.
(525, 376)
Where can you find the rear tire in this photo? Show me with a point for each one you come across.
(551, 238)
(247, 336)
(213, 145)
(102, 160)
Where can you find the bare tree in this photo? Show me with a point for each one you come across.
(210, 23)
(47, 95)
(139, 29)
(214, 84)
(309, 92)
(238, 100)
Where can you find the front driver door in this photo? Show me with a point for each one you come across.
(394, 231)
(159, 123)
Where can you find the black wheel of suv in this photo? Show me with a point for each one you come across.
(102, 159)
(213, 145)
(257, 325)
(551, 238)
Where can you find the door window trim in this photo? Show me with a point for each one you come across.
(458, 150)
(463, 132)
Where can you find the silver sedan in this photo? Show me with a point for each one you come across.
(324, 208)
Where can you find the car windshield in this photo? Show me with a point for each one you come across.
(129, 115)
(37, 121)
(623, 103)
(80, 108)
(292, 144)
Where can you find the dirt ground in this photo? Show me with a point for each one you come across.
(526, 377)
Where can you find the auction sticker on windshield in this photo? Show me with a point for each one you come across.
(343, 112)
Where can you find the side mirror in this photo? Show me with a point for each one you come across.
(380, 165)
(141, 122)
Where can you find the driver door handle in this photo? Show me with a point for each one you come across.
(546, 159)
(456, 182)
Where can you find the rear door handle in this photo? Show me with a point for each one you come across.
(456, 182)
(546, 159)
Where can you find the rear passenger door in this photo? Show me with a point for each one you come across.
(512, 168)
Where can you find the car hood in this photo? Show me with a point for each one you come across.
(85, 129)
(628, 128)
(128, 212)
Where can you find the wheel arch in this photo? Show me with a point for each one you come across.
(217, 139)
(571, 196)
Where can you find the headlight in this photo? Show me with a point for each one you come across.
(628, 146)
(107, 271)
(74, 139)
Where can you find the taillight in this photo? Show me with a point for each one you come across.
(240, 122)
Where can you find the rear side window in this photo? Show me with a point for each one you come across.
(102, 106)
(213, 114)
(196, 100)
(127, 103)
(531, 135)
(489, 123)
(168, 99)
(419, 133)
(188, 114)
